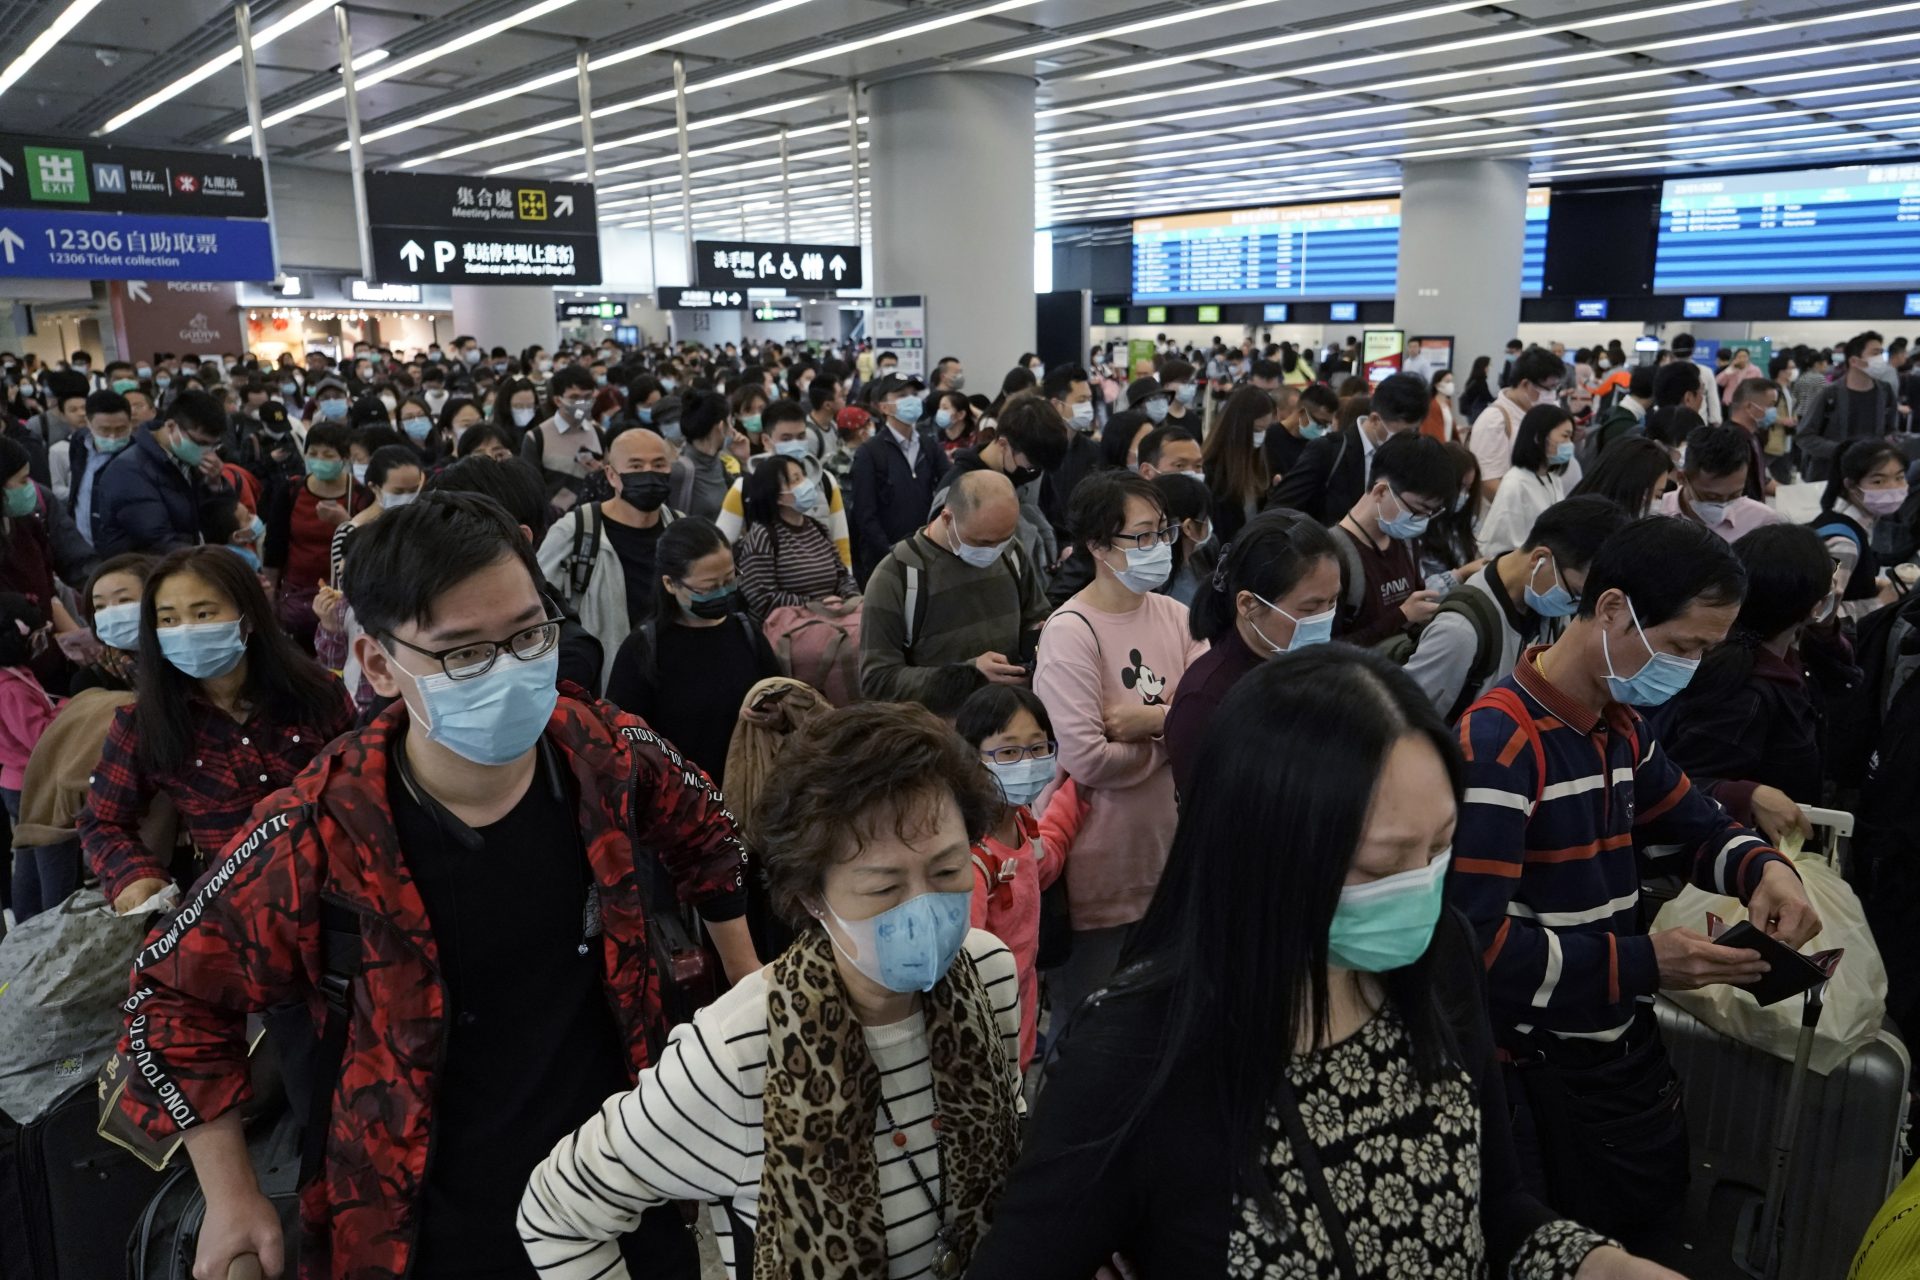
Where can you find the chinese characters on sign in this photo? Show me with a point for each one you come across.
(675, 298)
(800, 268)
(470, 230)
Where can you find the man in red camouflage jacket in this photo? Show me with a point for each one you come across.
(482, 831)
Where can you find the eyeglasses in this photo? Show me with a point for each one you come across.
(1014, 755)
(1165, 535)
(476, 657)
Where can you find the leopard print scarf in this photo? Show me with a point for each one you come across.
(819, 1209)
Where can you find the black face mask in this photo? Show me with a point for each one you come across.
(718, 607)
(1023, 475)
(644, 490)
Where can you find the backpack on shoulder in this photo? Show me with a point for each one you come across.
(818, 648)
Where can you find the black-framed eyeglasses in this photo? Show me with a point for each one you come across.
(1165, 535)
(476, 657)
(1014, 755)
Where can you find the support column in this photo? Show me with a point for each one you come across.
(506, 315)
(972, 259)
(1463, 226)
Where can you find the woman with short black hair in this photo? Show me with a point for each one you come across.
(1542, 452)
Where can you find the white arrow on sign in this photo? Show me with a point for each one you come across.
(10, 240)
(442, 254)
(6, 171)
(838, 266)
(137, 289)
(562, 206)
(412, 253)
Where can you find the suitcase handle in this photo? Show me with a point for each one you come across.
(245, 1267)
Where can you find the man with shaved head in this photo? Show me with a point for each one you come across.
(599, 557)
(955, 605)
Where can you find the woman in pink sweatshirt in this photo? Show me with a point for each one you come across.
(25, 708)
(1022, 856)
(1109, 662)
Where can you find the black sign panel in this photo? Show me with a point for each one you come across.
(775, 313)
(448, 230)
(797, 268)
(47, 173)
(674, 298)
(578, 309)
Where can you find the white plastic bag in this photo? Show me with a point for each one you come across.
(1856, 997)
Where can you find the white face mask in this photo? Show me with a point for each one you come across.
(522, 417)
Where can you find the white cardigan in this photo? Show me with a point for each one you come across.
(1522, 496)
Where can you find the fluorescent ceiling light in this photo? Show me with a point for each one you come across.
(1124, 29)
(213, 66)
(55, 31)
(425, 58)
(651, 135)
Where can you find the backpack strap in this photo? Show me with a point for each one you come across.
(1483, 615)
(341, 959)
(1075, 613)
(683, 494)
(1352, 572)
(586, 549)
(1510, 702)
(913, 608)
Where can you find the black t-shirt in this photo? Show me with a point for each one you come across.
(702, 677)
(1282, 449)
(1861, 411)
(635, 549)
(532, 1048)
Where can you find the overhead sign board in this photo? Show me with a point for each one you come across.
(1590, 309)
(449, 230)
(775, 313)
(105, 246)
(674, 298)
(757, 264)
(367, 291)
(38, 173)
(576, 309)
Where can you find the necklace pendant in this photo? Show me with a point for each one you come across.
(946, 1259)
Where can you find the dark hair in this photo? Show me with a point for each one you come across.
(443, 425)
(1530, 438)
(387, 458)
(760, 494)
(1672, 382)
(1236, 472)
(1417, 464)
(14, 458)
(1574, 529)
(852, 775)
(288, 686)
(1269, 775)
(399, 565)
(1155, 441)
(1640, 382)
(328, 435)
(107, 402)
(819, 392)
(1717, 451)
(1671, 424)
(1664, 565)
(1018, 379)
(701, 414)
(572, 377)
(1856, 462)
(1539, 366)
(1174, 369)
(1032, 427)
(1626, 473)
(1273, 552)
(1789, 571)
(479, 434)
(1682, 345)
(138, 563)
(990, 708)
(1116, 438)
(1058, 384)
(1857, 345)
(1449, 538)
(514, 483)
(1262, 368)
(1753, 389)
(503, 393)
(684, 541)
(198, 410)
(1403, 397)
(1097, 511)
(779, 411)
(16, 611)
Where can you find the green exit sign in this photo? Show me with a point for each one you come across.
(1209, 315)
(1110, 315)
(1156, 315)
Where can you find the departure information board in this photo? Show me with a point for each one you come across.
(1767, 232)
(1345, 250)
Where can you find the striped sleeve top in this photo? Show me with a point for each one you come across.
(1548, 848)
(782, 564)
(690, 1130)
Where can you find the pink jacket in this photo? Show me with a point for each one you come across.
(25, 713)
(1007, 882)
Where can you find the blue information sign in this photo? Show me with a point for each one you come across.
(105, 246)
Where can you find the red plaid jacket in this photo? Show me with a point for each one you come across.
(248, 937)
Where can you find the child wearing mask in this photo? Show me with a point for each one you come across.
(1022, 855)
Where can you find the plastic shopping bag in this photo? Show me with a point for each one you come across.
(63, 978)
(1856, 997)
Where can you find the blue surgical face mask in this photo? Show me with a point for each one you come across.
(491, 719)
(978, 557)
(418, 428)
(1312, 430)
(1156, 409)
(1768, 418)
(795, 449)
(204, 650)
(1386, 924)
(908, 410)
(1023, 780)
(1556, 601)
(1664, 674)
(248, 555)
(289, 389)
(326, 470)
(1563, 454)
(1406, 524)
(1316, 629)
(1186, 393)
(1147, 568)
(909, 947)
(646, 414)
(188, 450)
(333, 410)
(943, 419)
(118, 625)
(668, 384)
(806, 496)
(162, 381)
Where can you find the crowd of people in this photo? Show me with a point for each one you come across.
(1179, 819)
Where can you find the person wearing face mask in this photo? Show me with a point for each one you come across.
(785, 557)
(330, 402)
(480, 805)
(687, 668)
(784, 428)
(1520, 599)
(78, 464)
(1441, 422)
(895, 475)
(1176, 1101)
(1145, 395)
(1301, 416)
(1714, 482)
(159, 492)
(1109, 664)
(516, 406)
(417, 427)
(1754, 408)
(1177, 381)
(954, 421)
(1751, 727)
(569, 445)
(395, 475)
(1234, 461)
(1024, 852)
(227, 710)
(1857, 405)
(1070, 392)
(1331, 473)
(1868, 485)
(1414, 480)
(1575, 1000)
(1028, 445)
(1533, 378)
(1541, 458)
(301, 518)
(705, 469)
(599, 558)
(1274, 590)
(898, 1100)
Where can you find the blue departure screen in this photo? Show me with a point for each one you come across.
(1754, 233)
(1345, 250)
